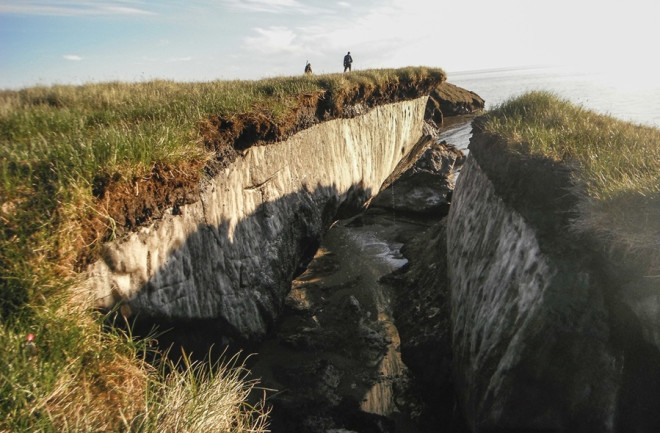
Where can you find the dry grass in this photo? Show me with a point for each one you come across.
(204, 398)
(96, 397)
(87, 376)
(77, 377)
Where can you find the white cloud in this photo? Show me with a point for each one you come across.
(123, 10)
(374, 33)
(453, 35)
(77, 8)
(72, 57)
(179, 59)
(274, 6)
(272, 40)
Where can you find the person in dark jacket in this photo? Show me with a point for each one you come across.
(348, 60)
(308, 69)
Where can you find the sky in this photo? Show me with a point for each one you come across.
(45, 42)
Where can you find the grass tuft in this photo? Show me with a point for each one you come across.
(615, 157)
(616, 166)
(203, 397)
(85, 375)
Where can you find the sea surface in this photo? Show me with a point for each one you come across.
(633, 97)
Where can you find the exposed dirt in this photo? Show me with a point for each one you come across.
(448, 100)
(131, 202)
(258, 128)
(422, 316)
(125, 204)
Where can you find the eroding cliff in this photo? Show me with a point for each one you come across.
(529, 328)
(542, 337)
(231, 255)
(338, 355)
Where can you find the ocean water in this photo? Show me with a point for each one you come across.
(634, 97)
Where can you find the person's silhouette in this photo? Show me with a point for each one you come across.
(348, 60)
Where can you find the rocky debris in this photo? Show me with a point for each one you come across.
(425, 185)
(430, 129)
(433, 111)
(336, 355)
(421, 301)
(326, 357)
(422, 315)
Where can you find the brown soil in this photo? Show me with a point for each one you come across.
(453, 100)
(257, 128)
(131, 202)
(125, 204)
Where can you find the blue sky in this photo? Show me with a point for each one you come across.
(73, 42)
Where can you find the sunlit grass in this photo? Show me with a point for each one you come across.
(615, 157)
(616, 164)
(54, 143)
(85, 375)
(203, 397)
(77, 376)
(128, 127)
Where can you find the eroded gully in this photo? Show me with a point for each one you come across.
(334, 358)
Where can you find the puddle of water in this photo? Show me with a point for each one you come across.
(383, 256)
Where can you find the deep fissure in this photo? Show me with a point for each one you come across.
(333, 356)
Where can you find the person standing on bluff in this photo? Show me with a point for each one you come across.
(308, 68)
(347, 62)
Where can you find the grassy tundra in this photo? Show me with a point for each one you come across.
(615, 169)
(61, 148)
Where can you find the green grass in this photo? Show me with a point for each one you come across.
(616, 164)
(54, 143)
(87, 376)
(72, 360)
